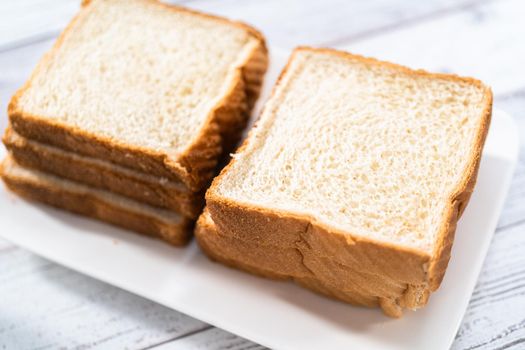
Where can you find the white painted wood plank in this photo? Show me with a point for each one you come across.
(32, 20)
(484, 41)
(514, 210)
(211, 339)
(44, 305)
(17, 65)
(496, 315)
(290, 23)
(22, 20)
(286, 24)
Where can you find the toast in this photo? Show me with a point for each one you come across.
(363, 167)
(152, 190)
(114, 209)
(149, 86)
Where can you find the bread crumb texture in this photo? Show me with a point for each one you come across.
(137, 73)
(365, 148)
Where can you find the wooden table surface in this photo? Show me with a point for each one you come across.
(47, 306)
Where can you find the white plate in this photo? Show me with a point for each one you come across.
(275, 314)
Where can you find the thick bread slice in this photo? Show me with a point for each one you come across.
(150, 86)
(101, 205)
(363, 162)
(159, 192)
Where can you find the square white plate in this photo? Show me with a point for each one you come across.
(275, 314)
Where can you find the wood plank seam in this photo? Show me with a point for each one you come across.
(29, 41)
(35, 39)
(179, 337)
(509, 330)
(503, 228)
(405, 23)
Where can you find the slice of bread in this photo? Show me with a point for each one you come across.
(146, 85)
(102, 205)
(362, 162)
(152, 190)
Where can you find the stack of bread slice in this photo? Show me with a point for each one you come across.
(353, 179)
(350, 184)
(128, 116)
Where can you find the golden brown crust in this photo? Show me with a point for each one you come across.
(300, 264)
(95, 207)
(362, 268)
(225, 124)
(232, 254)
(215, 250)
(195, 166)
(103, 175)
(419, 272)
(398, 67)
(248, 28)
(223, 249)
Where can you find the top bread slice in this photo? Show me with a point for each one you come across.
(364, 162)
(149, 86)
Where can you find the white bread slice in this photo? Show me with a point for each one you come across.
(363, 162)
(152, 190)
(150, 86)
(98, 204)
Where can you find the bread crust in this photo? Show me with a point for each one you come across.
(91, 205)
(332, 256)
(230, 251)
(196, 164)
(300, 264)
(104, 175)
(419, 272)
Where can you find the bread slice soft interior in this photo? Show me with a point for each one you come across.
(364, 147)
(99, 204)
(137, 81)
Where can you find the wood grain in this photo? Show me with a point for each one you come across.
(17, 64)
(484, 41)
(290, 23)
(212, 338)
(495, 318)
(30, 20)
(479, 38)
(513, 214)
(44, 305)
